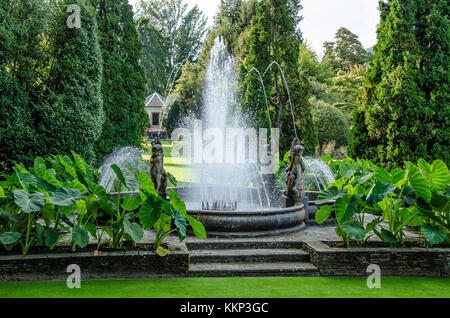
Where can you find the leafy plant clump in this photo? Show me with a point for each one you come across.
(59, 196)
(417, 196)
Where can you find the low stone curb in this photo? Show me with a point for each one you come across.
(353, 261)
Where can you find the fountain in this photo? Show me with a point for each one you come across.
(233, 199)
(236, 198)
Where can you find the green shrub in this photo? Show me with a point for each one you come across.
(330, 124)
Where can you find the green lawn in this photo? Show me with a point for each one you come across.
(289, 287)
(182, 172)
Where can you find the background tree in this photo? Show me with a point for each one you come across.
(21, 58)
(275, 37)
(345, 51)
(50, 79)
(71, 116)
(123, 82)
(171, 35)
(404, 111)
(232, 23)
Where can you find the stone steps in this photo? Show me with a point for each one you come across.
(252, 270)
(248, 257)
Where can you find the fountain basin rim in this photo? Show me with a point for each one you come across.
(241, 213)
(268, 211)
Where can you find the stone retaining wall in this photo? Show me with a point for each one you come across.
(353, 261)
(108, 265)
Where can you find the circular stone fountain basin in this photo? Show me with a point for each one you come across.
(245, 222)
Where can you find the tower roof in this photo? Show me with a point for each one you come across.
(155, 100)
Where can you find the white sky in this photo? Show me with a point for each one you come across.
(322, 18)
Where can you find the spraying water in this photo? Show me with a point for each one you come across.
(226, 186)
(128, 159)
(317, 173)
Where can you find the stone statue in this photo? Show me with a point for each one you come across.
(294, 183)
(159, 175)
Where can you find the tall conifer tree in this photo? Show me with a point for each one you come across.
(275, 37)
(404, 113)
(123, 84)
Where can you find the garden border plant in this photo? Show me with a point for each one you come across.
(417, 196)
(59, 196)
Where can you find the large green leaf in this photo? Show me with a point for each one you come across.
(119, 175)
(29, 202)
(79, 163)
(67, 196)
(130, 203)
(330, 194)
(355, 230)
(372, 225)
(2, 193)
(9, 237)
(177, 203)
(134, 230)
(51, 236)
(378, 192)
(433, 235)
(381, 175)
(180, 223)
(411, 216)
(398, 177)
(418, 182)
(345, 208)
(150, 211)
(80, 236)
(197, 227)
(68, 165)
(25, 178)
(323, 214)
(10, 216)
(147, 187)
(387, 236)
(39, 166)
(436, 174)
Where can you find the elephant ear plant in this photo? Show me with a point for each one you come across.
(59, 196)
(417, 196)
(131, 214)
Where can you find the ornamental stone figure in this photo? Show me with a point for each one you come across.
(295, 171)
(158, 174)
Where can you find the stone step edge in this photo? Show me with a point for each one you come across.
(254, 267)
(242, 244)
(263, 270)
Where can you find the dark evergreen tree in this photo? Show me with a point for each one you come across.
(70, 117)
(404, 113)
(21, 24)
(123, 83)
(50, 78)
(275, 37)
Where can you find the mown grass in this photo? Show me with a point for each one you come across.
(289, 287)
(182, 172)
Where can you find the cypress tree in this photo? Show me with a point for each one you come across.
(124, 81)
(404, 112)
(70, 117)
(21, 23)
(275, 37)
